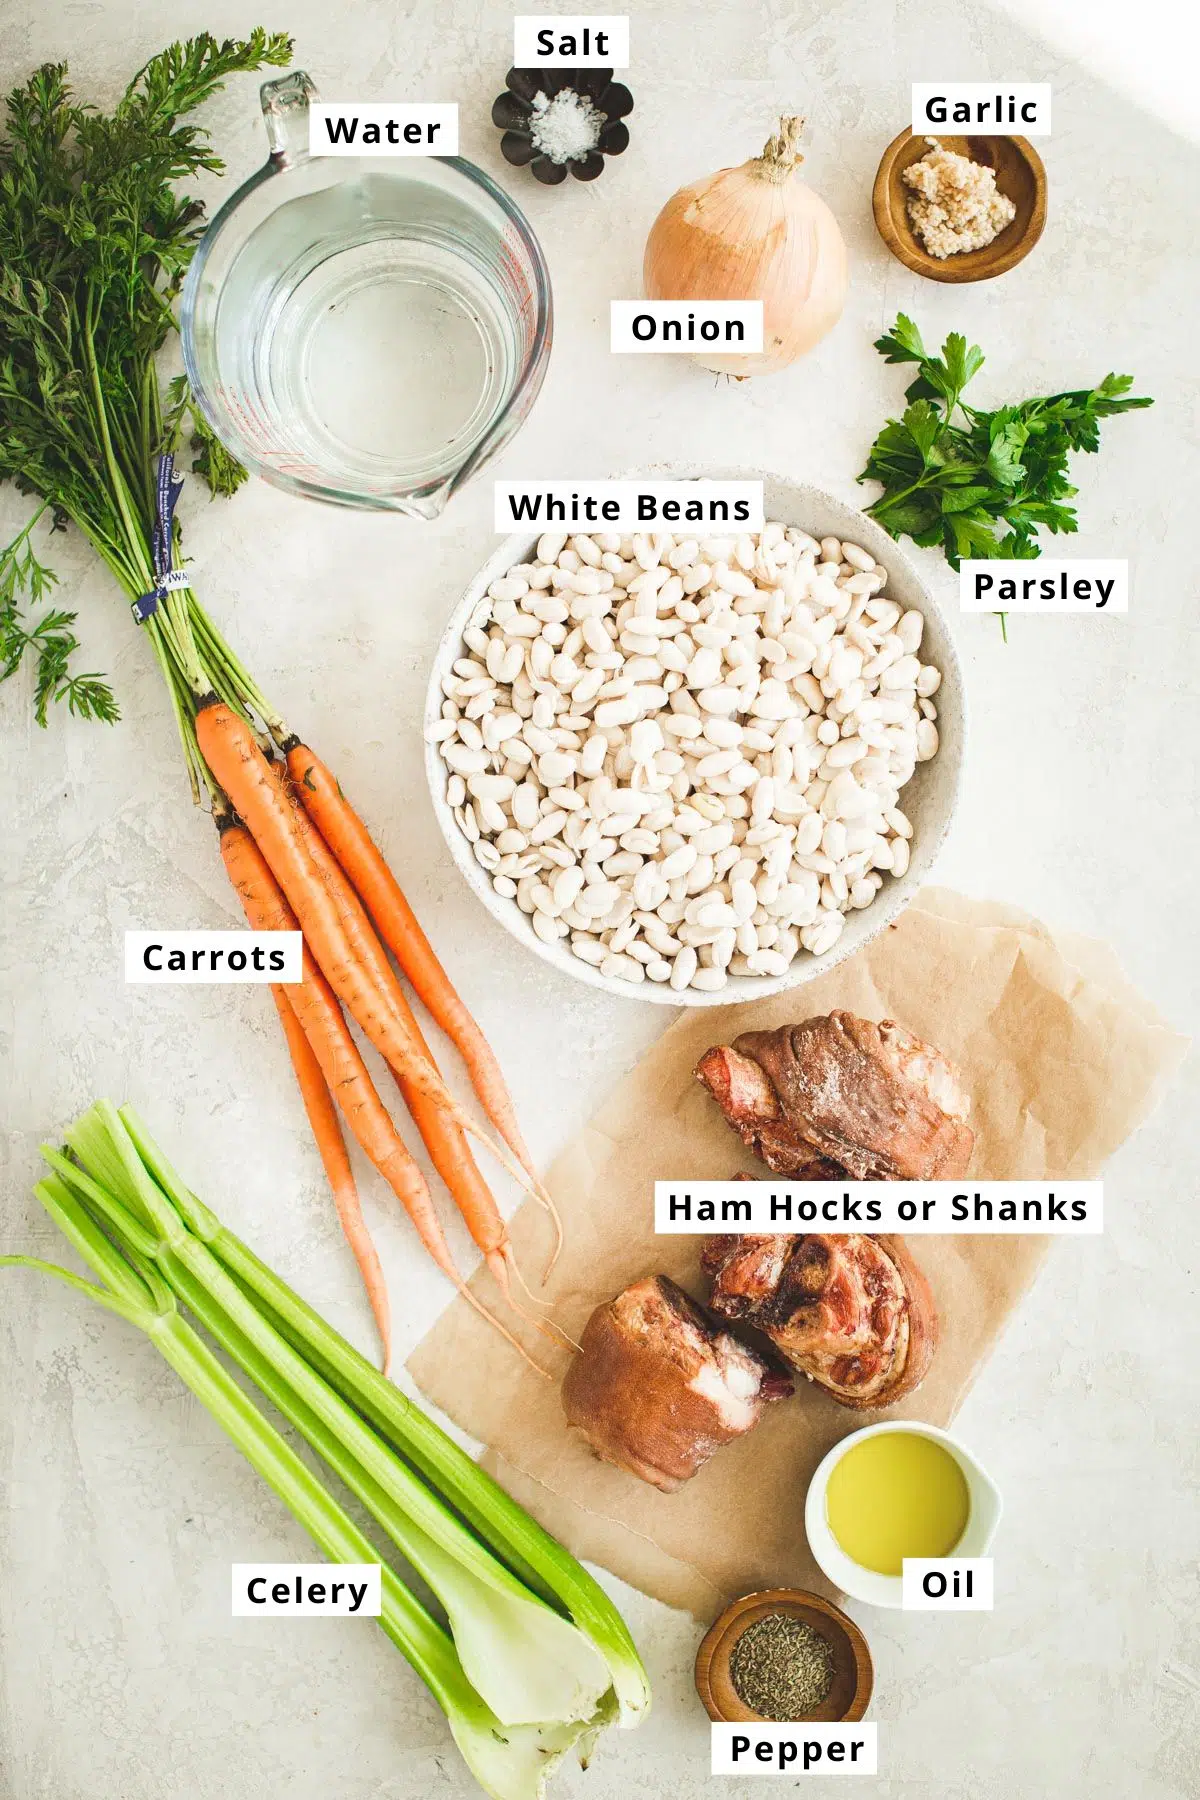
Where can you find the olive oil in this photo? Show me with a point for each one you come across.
(895, 1495)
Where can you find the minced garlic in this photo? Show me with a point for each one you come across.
(955, 204)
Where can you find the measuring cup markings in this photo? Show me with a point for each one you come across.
(526, 301)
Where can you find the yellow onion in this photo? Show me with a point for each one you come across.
(755, 232)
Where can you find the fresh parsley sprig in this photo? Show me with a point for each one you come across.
(981, 484)
(94, 245)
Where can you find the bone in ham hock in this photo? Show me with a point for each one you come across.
(838, 1096)
(830, 1098)
(659, 1385)
(853, 1313)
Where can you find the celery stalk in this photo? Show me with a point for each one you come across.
(510, 1763)
(525, 1661)
(537, 1659)
(506, 1528)
(512, 1533)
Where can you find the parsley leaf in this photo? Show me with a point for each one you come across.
(924, 424)
(980, 484)
(902, 343)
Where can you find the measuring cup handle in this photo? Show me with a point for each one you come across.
(285, 105)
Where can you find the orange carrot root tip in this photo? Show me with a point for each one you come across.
(497, 1262)
(513, 1268)
(485, 1312)
(501, 1264)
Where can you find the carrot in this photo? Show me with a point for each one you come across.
(322, 1117)
(400, 930)
(443, 1138)
(315, 1006)
(446, 1144)
(451, 1156)
(378, 890)
(229, 748)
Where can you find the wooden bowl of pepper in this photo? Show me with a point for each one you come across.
(784, 1655)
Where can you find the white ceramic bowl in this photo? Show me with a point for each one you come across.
(929, 798)
(866, 1584)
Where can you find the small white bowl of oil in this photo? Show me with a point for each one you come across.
(895, 1490)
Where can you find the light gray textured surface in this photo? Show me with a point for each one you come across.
(121, 1507)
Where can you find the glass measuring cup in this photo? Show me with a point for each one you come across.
(364, 330)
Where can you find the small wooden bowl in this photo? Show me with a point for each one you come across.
(1020, 176)
(853, 1676)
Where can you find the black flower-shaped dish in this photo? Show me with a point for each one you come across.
(561, 121)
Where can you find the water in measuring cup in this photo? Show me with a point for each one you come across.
(384, 345)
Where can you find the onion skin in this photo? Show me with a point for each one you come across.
(754, 232)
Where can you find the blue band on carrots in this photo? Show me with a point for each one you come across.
(168, 489)
(147, 604)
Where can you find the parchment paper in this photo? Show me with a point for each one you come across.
(1062, 1059)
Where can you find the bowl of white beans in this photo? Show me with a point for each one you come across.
(703, 766)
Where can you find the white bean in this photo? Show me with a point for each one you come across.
(526, 806)
(719, 699)
(680, 862)
(719, 763)
(555, 767)
(645, 740)
(808, 834)
(767, 962)
(684, 968)
(464, 760)
(726, 734)
(723, 947)
(622, 711)
(823, 934)
(566, 886)
(622, 968)
(550, 546)
(491, 787)
(649, 887)
(762, 802)
(491, 816)
(548, 826)
(901, 673)
(622, 938)
(549, 929)
(598, 899)
(910, 630)
(833, 840)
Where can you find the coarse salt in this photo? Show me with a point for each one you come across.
(565, 128)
